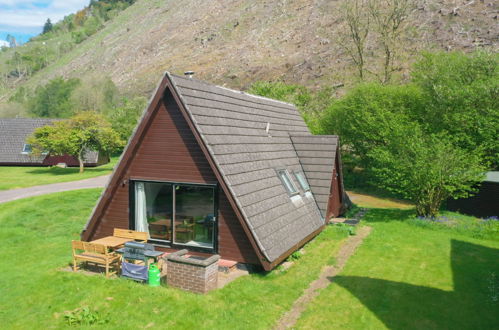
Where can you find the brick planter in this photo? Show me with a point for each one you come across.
(195, 274)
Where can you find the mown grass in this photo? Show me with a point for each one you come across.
(36, 235)
(413, 273)
(13, 177)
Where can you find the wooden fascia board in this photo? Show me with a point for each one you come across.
(263, 260)
(124, 162)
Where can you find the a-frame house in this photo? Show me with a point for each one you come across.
(220, 171)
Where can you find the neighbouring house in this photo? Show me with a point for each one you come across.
(14, 151)
(218, 171)
(485, 203)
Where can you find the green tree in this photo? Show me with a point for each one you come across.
(368, 115)
(95, 92)
(461, 93)
(124, 118)
(83, 132)
(426, 169)
(53, 100)
(47, 27)
(311, 104)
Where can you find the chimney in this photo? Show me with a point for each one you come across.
(189, 73)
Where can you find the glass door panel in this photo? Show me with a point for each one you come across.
(154, 209)
(194, 215)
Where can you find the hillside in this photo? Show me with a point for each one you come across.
(237, 42)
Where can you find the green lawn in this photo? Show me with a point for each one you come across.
(412, 273)
(35, 244)
(12, 177)
(408, 274)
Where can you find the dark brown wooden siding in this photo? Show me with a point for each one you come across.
(334, 204)
(168, 151)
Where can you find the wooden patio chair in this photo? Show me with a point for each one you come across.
(140, 236)
(94, 253)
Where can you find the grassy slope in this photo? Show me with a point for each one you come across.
(408, 276)
(22, 176)
(35, 292)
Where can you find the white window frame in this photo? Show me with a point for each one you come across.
(24, 152)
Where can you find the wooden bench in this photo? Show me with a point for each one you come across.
(94, 253)
(140, 236)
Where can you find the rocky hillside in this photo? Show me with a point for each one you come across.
(237, 42)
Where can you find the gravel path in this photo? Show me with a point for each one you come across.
(13, 194)
(346, 251)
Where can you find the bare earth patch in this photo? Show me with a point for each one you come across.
(346, 251)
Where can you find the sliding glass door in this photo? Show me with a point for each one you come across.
(175, 213)
(154, 209)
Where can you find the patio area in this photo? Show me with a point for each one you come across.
(126, 254)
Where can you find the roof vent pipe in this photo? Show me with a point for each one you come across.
(189, 73)
(267, 129)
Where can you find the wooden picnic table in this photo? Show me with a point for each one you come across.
(112, 242)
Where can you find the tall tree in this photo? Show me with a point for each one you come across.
(389, 20)
(375, 27)
(425, 169)
(356, 15)
(54, 99)
(84, 132)
(48, 26)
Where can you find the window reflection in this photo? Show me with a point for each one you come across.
(192, 217)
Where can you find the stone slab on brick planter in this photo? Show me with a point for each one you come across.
(193, 273)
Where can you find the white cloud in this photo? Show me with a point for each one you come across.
(24, 14)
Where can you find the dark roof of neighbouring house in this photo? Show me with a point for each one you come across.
(13, 135)
(492, 176)
(233, 126)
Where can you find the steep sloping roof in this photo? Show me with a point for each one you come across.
(13, 135)
(317, 154)
(233, 126)
(245, 139)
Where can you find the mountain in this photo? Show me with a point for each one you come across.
(237, 42)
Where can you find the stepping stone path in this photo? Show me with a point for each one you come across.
(289, 319)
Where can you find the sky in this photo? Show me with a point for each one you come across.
(25, 18)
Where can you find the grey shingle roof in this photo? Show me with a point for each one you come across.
(233, 125)
(317, 154)
(13, 135)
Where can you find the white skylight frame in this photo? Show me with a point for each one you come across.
(287, 182)
(302, 180)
